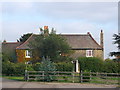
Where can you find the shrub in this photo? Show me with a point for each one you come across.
(92, 64)
(86, 75)
(36, 66)
(9, 68)
(46, 66)
(64, 66)
(111, 66)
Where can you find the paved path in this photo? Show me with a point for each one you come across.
(6, 83)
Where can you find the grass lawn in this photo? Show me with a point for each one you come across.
(18, 78)
(68, 79)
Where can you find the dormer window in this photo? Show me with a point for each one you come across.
(89, 53)
(27, 54)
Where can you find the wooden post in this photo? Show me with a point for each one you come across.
(90, 75)
(73, 76)
(26, 75)
(81, 76)
(43, 76)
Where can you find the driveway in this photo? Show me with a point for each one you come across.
(6, 83)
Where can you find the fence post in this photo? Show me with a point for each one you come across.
(90, 75)
(26, 75)
(43, 76)
(73, 76)
(81, 76)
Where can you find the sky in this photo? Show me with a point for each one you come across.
(19, 18)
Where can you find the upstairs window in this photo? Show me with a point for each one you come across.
(27, 54)
(89, 53)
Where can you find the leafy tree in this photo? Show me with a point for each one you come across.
(24, 37)
(117, 41)
(51, 45)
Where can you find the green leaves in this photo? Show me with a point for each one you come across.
(47, 66)
(117, 41)
(51, 45)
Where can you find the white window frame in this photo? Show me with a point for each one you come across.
(27, 54)
(88, 53)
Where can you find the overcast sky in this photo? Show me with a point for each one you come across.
(66, 17)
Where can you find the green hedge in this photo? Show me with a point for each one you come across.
(95, 64)
(92, 64)
(111, 66)
(9, 68)
(64, 66)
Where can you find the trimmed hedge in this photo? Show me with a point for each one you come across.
(64, 66)
(16, 69)
(92, 64)
(95, 64)
(111, 66)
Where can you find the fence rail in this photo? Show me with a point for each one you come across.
(73, 76)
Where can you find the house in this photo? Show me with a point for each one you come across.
(83, 45)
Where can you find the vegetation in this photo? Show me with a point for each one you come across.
(47, 66)
(92, 64)
(117, 41)
(9, 56)
(14, 69)
(51, 45)
(64, 66)
(24, 37)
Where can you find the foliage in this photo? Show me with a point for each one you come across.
(47, 66)
(86, 75)
(9, 56)
(24, 37)
(36, 66)
(111, 66)
(51, 45)
(92, 64)
(9, 68)
(64, 66)
(117, 41)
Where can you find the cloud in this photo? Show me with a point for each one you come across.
(20, 18)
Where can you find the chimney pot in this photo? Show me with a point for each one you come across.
(88, 32)
(45, 27)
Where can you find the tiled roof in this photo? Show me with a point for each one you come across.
(76, 41)
(9, 46)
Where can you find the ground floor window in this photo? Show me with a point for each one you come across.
(27, 54)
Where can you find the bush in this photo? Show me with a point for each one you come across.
(111, 66)
(36, 66)
(9, 68)
(92, 64)
(86, 76)
(47, 66)
(64, 66)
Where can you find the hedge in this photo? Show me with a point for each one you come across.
(9, 68)
(95, 64)
(64, 66)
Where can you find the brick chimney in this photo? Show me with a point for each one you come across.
(46, 31)
(101, 38)
(45, 27)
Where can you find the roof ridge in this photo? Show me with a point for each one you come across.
(24, 42)
(66, 34)
(10, 42)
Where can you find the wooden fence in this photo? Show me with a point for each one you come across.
(71, 76)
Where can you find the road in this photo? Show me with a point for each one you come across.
(6, 83)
